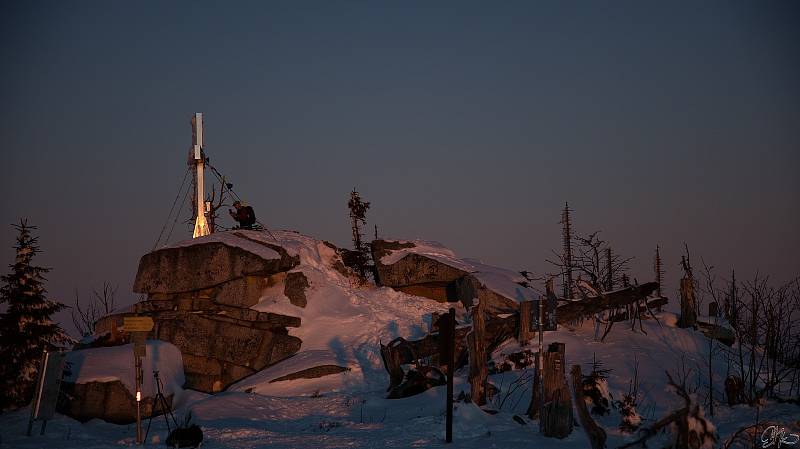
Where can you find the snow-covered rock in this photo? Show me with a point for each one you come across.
(101, 383)
(430, 269)
(208, 262)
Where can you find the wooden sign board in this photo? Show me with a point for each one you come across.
(137, 324)
(549, 315)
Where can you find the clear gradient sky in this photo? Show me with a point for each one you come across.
(469, 123)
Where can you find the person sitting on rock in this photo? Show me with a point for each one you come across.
(244, 215)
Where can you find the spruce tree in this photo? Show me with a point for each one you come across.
(362, 251)
(26, 327)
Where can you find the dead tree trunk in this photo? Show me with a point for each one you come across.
(659, 272)
(478, 370)
(688, 307)
(556, 419)
(392, 361)
(525, 309)
(567, 255)
(595, 433)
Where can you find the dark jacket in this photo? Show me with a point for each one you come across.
(245, 215)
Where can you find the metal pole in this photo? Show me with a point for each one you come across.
(38, 393)
(451, 323)
(138, 368)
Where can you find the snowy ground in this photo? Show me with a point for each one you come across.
(343, 325)
(364, 419)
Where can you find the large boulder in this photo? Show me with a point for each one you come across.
(209, 261)
(431, 270)
(200, 293)
(106, 400)
(101, 382)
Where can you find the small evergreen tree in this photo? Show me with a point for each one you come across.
(362, 253)
(595, 388)
(26, 327)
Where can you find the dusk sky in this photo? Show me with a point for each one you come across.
(468, 123)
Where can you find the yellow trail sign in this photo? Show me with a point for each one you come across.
(137, 324)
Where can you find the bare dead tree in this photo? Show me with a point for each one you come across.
(658, 271)
(597, 265)
(688, 287)
(213, 215)
(709, 288)
(566, 255)
(101, 304)
(766, 357)
(700, 433)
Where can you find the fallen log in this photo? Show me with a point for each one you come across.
(499, 329)
(574, 311)
(595, 433)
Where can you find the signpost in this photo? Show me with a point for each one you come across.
(48, 385)
(138, 327)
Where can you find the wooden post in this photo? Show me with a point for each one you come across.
(595, 433)
(688, 307)
(525, 310)
(451, 362)
(478, 371)
(556, 416)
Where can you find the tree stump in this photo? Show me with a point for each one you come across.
(734, 390)
(478, 369)
(556, 419)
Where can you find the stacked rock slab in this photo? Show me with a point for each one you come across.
(422, 275)
(199, 294)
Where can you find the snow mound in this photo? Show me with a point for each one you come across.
(343, 324)
(232, 240)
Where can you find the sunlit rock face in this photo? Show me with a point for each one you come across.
(433, 271)
(209, 262)
(199, 294)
